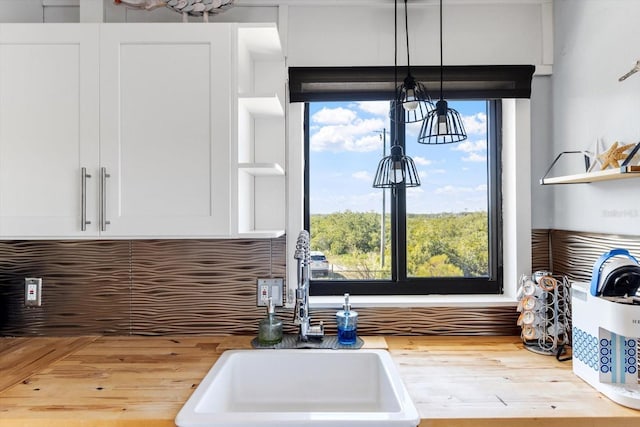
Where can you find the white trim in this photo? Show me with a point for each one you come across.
(547, 33)
(516, 191)
(91, 11)
(391, 301)
(61, 3)
(389, 3)
(295, 192)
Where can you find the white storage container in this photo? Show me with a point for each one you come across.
(605, 344)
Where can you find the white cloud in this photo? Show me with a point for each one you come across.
(476, 150)
(421, 161)
(413, 129)
(475, 157)
(362, 176)
(469, 146)
(438, 171)
(475, 124)
(414, 191)
(378, 108)
(334, 116)
(359, 135)
(450, 189)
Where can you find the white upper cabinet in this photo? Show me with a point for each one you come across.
(144, 110)
(49, 129)
(165, 101)
(141, 131)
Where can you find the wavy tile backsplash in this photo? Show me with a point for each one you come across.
(207, 287)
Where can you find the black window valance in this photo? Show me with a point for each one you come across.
(307, 84)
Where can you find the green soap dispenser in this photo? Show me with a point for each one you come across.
(270, 329)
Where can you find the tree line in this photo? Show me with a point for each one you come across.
(438, 245)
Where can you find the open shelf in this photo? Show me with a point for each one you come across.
(261, 234)
(587, 177)
(262, 105)
(262, 40)
(262, 169)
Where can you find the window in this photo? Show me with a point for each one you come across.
(443, 237)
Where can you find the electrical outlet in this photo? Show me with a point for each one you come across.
(269, 288)
(32, 291)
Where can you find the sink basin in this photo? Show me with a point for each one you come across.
(322, 388)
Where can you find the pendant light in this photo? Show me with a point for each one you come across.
(396, 170)
(442, 125)
(412, 95)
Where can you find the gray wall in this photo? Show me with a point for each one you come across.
(596, 41)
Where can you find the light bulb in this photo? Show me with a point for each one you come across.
(443, 128)
(410, 103)
(397, 173)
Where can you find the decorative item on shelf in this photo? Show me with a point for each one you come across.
(443, 125)
(199, 8)
(545, 312)
(614, 155)
(411, 95)
(629, 168)
(634, 70)
(633, 159)
(594, 156)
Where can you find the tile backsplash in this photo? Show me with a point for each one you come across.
(207, 287)
(121, 287)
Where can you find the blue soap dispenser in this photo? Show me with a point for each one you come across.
(347, 321)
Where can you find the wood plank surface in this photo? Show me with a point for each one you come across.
(454, 382)
(495, 381)
(22, 357)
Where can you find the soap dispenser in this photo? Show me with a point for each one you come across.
(347, 322)
(270, 330)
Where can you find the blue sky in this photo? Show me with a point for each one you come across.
(346, 146)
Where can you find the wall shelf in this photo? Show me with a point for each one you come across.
(587, 177)
(262, 105)
(262, 169)
(261, 234)
(261, 133)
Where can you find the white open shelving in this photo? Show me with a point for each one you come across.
(261, 132)
(587, 177)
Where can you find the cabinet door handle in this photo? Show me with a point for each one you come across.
(83, 199)
(103, 199)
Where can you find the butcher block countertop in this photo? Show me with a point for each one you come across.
(144, 381)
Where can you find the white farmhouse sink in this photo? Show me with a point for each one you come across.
(321, 388)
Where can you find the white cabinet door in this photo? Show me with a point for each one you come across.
(165, 101)
(49, 125)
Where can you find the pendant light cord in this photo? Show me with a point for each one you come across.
(395, 67)
(441, 66)
(395, 46)
(406, 31)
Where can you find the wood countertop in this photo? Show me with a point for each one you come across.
(144, 381)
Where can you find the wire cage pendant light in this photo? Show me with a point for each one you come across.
(411, 95)
(443, 125)
(396, 170)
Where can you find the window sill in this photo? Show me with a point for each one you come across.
(393, 301)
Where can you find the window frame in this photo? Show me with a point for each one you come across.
(492, 83)
(400, 284)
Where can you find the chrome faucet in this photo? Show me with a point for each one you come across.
(301, 315)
